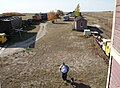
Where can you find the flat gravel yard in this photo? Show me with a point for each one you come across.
(39, 67)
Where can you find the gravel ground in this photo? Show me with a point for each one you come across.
(39, 67)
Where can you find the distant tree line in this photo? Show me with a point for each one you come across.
(13, 14)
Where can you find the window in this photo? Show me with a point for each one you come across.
(81, 24)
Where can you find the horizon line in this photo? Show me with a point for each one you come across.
(55, 11)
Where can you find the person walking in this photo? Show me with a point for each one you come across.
(64, 70)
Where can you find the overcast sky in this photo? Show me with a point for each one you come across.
(34, 6)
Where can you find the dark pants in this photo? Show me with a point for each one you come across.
(64, 76)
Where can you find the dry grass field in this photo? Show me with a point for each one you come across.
(104, 19)
(39, 67)
(27, 16)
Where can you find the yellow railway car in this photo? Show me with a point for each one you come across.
(106, 46)
(3, 38)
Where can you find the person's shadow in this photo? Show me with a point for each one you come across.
(77, 85)
(80, 85)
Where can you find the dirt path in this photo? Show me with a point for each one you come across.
(20, 46)
(39, 67)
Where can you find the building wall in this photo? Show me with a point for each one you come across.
(116, 38)
(44, 16)
(115, 75)
(84, 24)
(5, 27)
(16, 23)
(113, 80)
(36, 18)
(11, 24)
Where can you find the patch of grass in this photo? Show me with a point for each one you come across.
(19, 37)
(36, 28)
(29, 28)
(28, 32)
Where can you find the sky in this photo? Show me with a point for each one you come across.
(36, 6)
